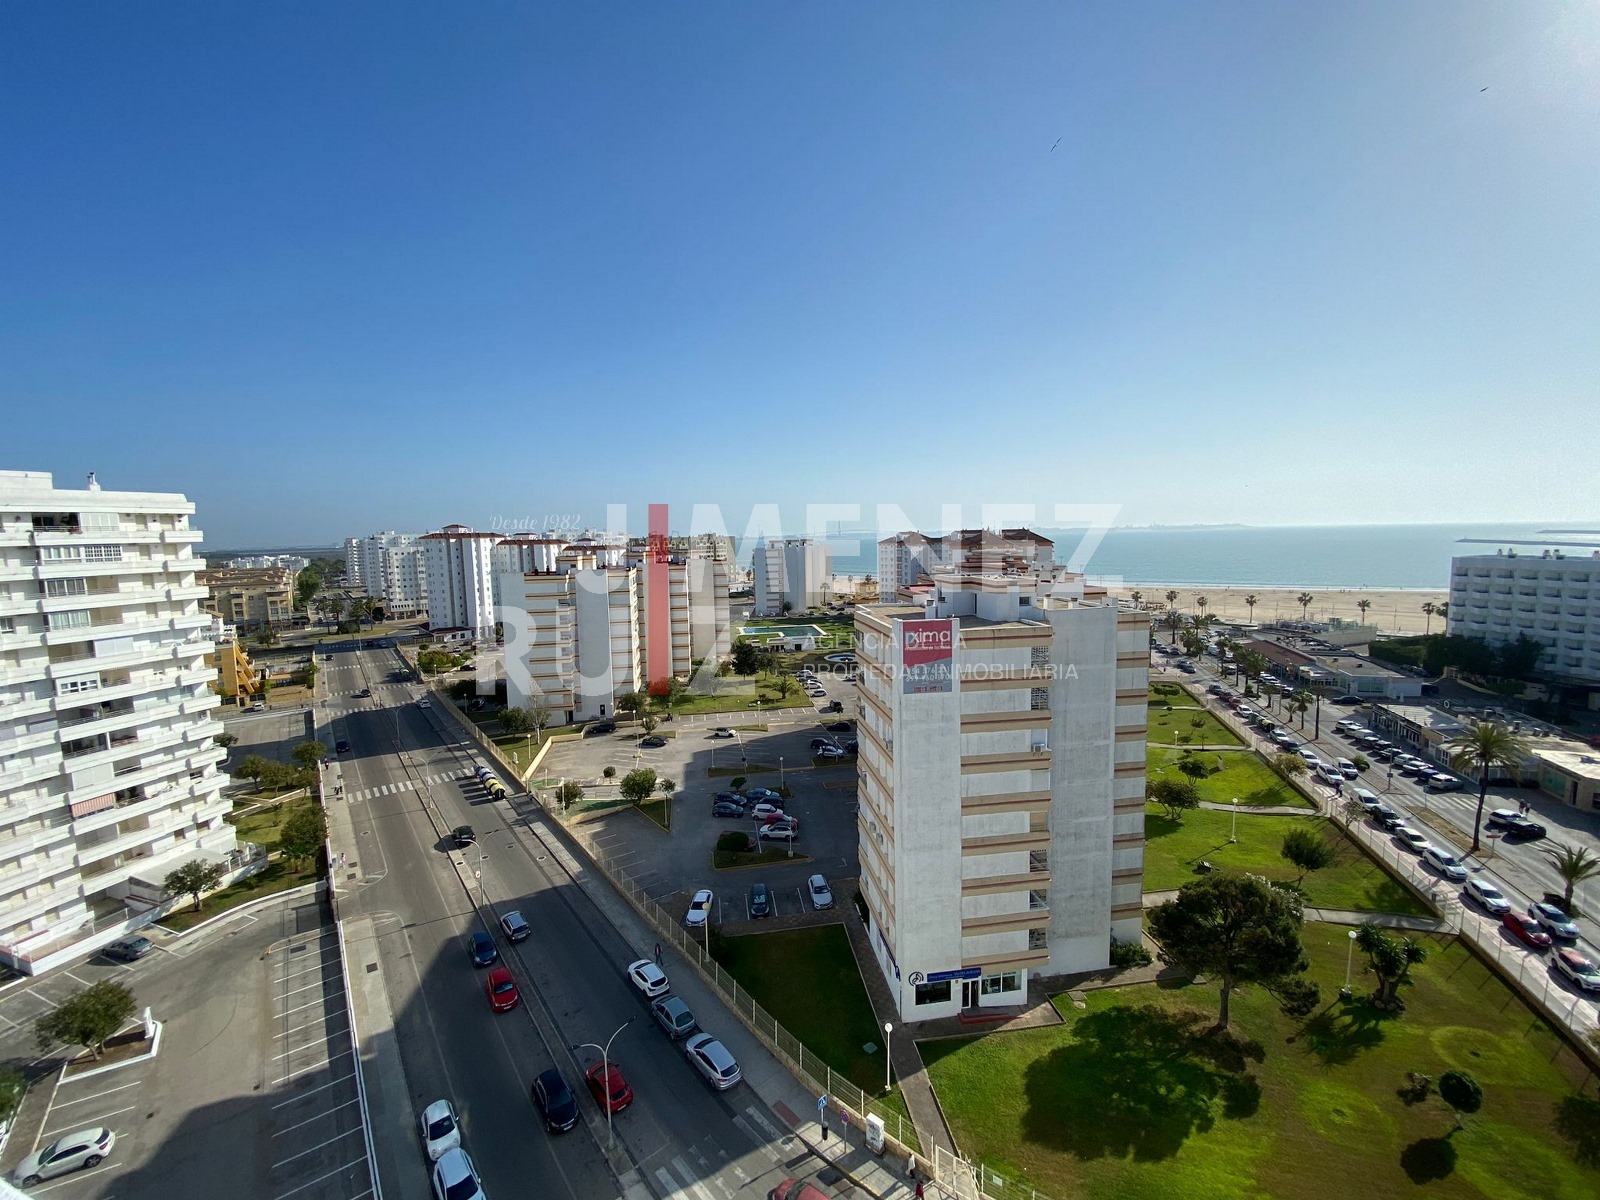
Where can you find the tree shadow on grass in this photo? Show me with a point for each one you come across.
(1428, 1160)
(1578, 1120)
(1134, 1082)
(1341, 1032)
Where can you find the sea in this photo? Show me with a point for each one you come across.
(1327, 556)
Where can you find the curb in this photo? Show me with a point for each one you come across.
(305, 889)
(155, 1049)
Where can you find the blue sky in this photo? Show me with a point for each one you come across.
(333, 268)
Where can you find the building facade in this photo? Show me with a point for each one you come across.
(1551, 596)
(391, 569)
(791, 575)
(460, 579)
(250, 597)
(109, 774)
(237, 680)
(908, 557)
(1001, 779)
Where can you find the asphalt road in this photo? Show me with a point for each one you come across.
(571, 973)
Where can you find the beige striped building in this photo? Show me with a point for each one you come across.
(1002, 772)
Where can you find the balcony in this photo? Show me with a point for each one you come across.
(43, 867)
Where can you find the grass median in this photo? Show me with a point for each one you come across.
(1228, 774)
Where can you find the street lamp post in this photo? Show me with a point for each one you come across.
(888, 1062)
(605, 1069)
(1349, 960)
(1234, 836)
(780, 771)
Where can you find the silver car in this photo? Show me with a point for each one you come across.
(711, 1058)
(70, 1152)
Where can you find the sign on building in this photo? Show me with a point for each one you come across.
(927, 654)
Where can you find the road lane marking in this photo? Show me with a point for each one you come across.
(694, 1184)
(100, 1117)
(338, 1137)
(321, 1087)
(120, 1088)
(324, 1113)
(355, 1162)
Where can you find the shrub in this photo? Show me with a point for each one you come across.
(1129, 954)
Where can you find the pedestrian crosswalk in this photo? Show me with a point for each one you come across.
(409, 785)
(683, 1182)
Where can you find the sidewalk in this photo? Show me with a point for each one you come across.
(1344, 916)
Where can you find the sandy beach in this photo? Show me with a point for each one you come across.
(1393, 610)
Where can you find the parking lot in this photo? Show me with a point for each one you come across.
(252, 1092)
(270, 734)
(672, 865)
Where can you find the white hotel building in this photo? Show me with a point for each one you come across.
(1550, 595)
(793, 571)
(460, 571)
(109, 772)
(1001, 776)
(391, 568)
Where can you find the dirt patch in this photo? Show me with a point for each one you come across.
(124, 1047)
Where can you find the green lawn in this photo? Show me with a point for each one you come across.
(1188, 726)
(1353, 882)
(1175, 695)
(1241, 773)
(278, 877)
(1130, 1100)
(725, 860)
(262, 825)
(659, 811)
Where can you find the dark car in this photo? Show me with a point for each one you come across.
(342, 746)
(652, 742)
(727, 798)
(840, 727)
(482, 948)
(1515, 825)
(365, 694)
(556, 1102)
(852, 746)
(463, 836)
(760, 901)
(130, 949)
(1387, 817)
(819, 743)
(726, 808)
(674, 1017)
(1349, 700)
(600, 727)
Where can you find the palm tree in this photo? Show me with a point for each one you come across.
(1304, 600)
(1483, 746)
(1299, 703)
(1200, 602)
(1172, 598)
(1251, 601)
(1574, 864)
(1363, 605)
(1174, 623)
(1442, 610)
(1428, 608)
(1137, 598)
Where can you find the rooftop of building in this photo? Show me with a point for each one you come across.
(247, 576)
(966, 538)
(1575, 758)
(22, 487)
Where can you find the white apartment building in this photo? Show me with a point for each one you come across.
(460, 574)
(1001, 780)
(907, 557)
(109, 773)
(1550, 595)
(390, 567)
(797, 572)
(589, 636)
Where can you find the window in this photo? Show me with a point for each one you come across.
(65, 587)
(102, 554)
(69, 686)
(934, 993)
(60, 553)
(76, 619)
(994, 985)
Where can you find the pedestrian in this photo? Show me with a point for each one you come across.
(658, 954)
(919, 1190)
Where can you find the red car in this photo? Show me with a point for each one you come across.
(1526, 931)
(609, 1089)
(502, 990)
(797, 1189)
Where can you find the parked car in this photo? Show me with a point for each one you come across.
(1347, 768)
(781, 831)
(516, 928)
(767, 794)
(699, 910)
(1410, 839)
(821, 893)
(599, 727)
(722, 731)
(653, 742)
(342, 746)
(1367, 799)
(1553, 920)
(711, 1058)
(129, 949)
(74, 1151)
(1330, 774)
(650, 979)
(1444, 863)
(674, 1017)
(1526, 931)
(501, 990)
(439, 1128)
(1348, 700)
(455, 1178)
(557, 1104)
(1486, 894)
(760, 902)
(852, 746)
(831, 752)
(1580, 970)
(463, 836)
(726, 808)
(608, 1087)
(1387, 817)
(819, 743)
(481, 948)
(765, 811)
(258, 706)
(840, 727)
